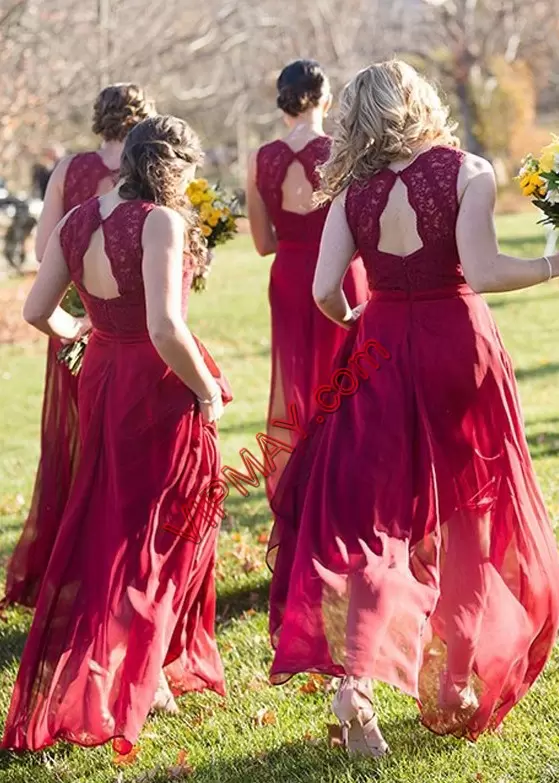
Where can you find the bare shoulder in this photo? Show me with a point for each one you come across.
(474, 165)
(341, 198)
(59, 172)
(253, 163)
(476, 176)
(163, 224)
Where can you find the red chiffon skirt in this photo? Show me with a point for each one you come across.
(59, 453)
(123, 597)
(411, 542)
(304, 340)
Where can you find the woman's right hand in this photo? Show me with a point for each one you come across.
(212, 408)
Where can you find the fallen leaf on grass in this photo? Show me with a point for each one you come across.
(126, 759)
(315, 683)
(182, 768)
(257, 683)
(265, 717)
(308, 737)
(263, 538)
(251, 565)
(334, 735)
(249, 613)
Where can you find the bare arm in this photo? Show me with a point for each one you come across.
(337, 248)
(41, 308)
(53, 208)
(162, 269)
(485, 268)
(263, 234)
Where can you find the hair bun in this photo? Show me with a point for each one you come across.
(301, 86)
(118, 109)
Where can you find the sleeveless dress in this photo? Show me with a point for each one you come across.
(128, 590)
(59, 428)
(304, 340)
(411, 543)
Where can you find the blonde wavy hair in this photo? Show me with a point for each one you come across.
(387, 112)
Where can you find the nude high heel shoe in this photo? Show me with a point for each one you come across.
(163, 700)
(353, 707)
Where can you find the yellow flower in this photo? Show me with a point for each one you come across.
(206, 230)
(548, 155)
(195, 199)
(214, 218)
(205, 209)
(201, 184)
(531, 184)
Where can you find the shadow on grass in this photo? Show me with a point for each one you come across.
(247, 512)
(234, 603)
(519, 299)
(315, 762)
(250, 428)
(543, 444)
(541, 371)
(519, 243)
(11, 643)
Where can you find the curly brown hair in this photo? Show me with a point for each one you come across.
(155, 155)
(118, 109)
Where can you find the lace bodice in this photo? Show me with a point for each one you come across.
(85, 172)
(272, 164)
(431, 182)
(122, 230)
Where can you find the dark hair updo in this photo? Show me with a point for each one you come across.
(118, 109)
(301, 86)
(156, 153)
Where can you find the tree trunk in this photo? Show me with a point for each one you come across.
(468, 112)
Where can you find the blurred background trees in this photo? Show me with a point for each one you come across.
(215, 63)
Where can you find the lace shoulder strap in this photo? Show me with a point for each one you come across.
(432, 183)
(315, 154)
(273, 160)
(364, 204)
(76, 233)
(123, 230)
(85, 172)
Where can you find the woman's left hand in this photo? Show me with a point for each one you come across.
(84, 327)
(356, 314)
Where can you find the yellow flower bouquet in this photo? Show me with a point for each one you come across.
(539, 180)
(218, 218)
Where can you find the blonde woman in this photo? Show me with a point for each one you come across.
(414, 546)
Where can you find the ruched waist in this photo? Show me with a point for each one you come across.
(285, 244)
(446, 292)
(120, 337)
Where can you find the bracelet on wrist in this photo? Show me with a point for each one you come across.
(214, 398)
(550, 268)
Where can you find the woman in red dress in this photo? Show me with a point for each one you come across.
(117, 109)
(129, 590)
(411, 542)
(284, 220)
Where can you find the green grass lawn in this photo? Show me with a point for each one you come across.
(262, 733)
